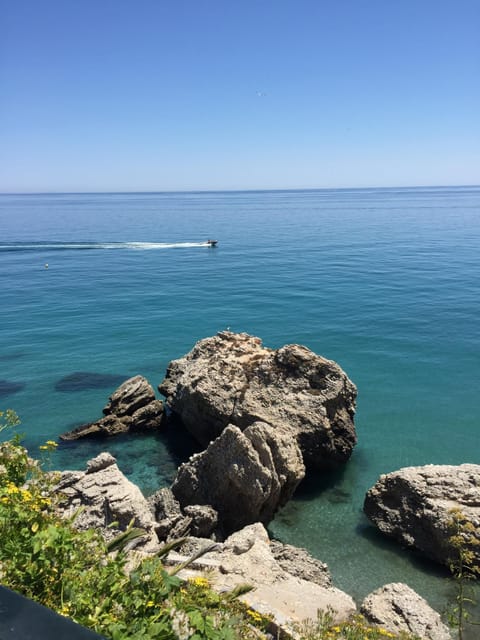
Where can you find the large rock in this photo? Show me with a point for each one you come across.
(232, 379)
(398, 609)
(245, 476)
(246, 558)
(415, 505)
(105, 496)
(132, 407)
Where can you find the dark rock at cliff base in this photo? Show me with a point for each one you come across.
(398, 609)
(82, 380)
(232, 379)
(7, 387)
(171, 522)
(132, 407)
(415, 505)
(196, 520)
(245, 476)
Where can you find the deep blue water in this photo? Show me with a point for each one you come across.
(384, 281)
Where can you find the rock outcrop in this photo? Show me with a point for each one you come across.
(231, 379)
(195, 520)
(246, 558)
(106, 496)
(132, 407)
(415, 504)
(245, 476)
(299, 563)
(397, 608)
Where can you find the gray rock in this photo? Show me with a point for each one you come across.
(107, 426)
(204, 520)
(132, 407)
(134, 393)
(245, 476)
(414, 505)
(171, 522)
(106, 496)
(298, 562)
(397, 608)
(232, 379)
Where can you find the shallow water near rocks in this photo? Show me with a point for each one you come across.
(383, 281)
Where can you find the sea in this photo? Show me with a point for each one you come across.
(99, 287)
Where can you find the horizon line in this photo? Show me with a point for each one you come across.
(251, 190)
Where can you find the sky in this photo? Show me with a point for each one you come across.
(167, 95)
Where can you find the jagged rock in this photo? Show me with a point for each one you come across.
(246, 558)
(397, 608)
(232, 379)
(245, 476)
(414, 505)
(107, 426)
(132, 394)
(106, 496)
(148, 417)
(204, 520)
(298, 562)
(132, 407)
(171, 522)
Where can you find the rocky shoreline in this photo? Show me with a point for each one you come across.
(265, 418)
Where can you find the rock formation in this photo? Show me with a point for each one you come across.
(245, 476)
(195, 520)
(287, 582)
(232, 379)
(106, 496)
(397, 608)
(132, 407)
(299, 563)
(246, 558)
(414, 505)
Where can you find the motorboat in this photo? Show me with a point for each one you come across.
(211, 243)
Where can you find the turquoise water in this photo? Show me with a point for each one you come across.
(386, 282)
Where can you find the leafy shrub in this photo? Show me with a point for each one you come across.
(464, 568)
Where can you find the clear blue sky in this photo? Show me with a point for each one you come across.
(127, 95)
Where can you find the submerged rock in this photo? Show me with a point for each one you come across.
(132, 407)
(398, 609)
(8, 387)
(415, 505)
(231, 379)
(82, 380)
(245, 476)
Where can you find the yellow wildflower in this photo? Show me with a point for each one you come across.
(199, 581)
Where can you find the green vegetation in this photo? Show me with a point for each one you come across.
(323, 628)
(79, 576)
(464, 569)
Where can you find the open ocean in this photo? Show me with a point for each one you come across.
(384, 281)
